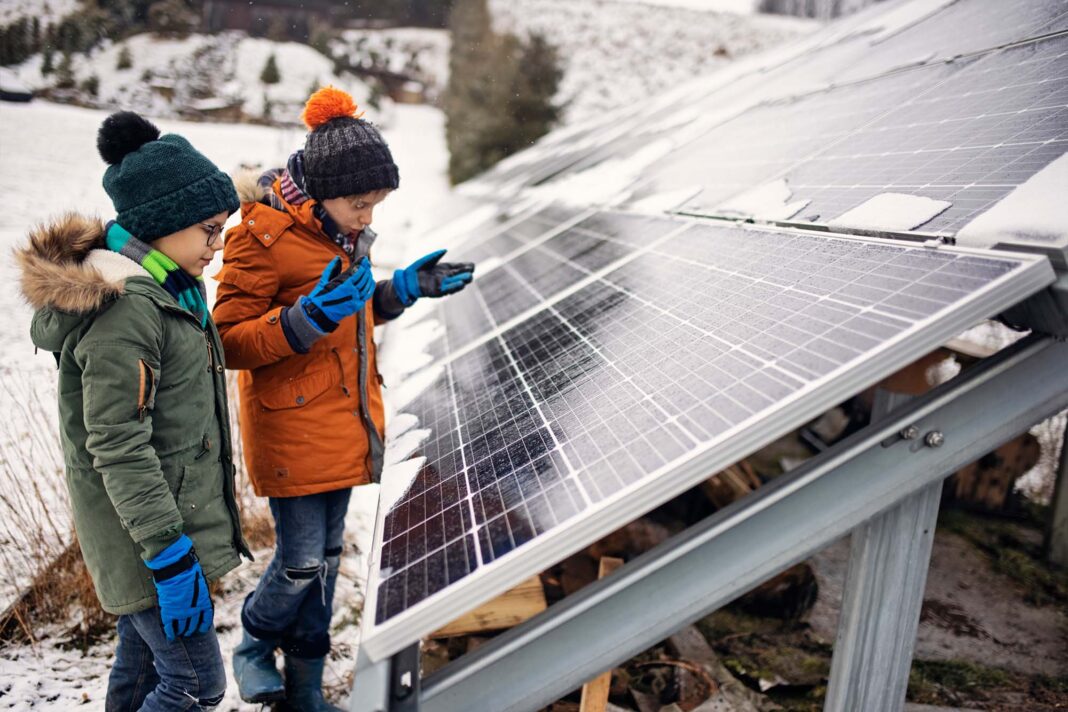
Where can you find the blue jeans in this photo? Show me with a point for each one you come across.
(153, 674)
(294, 600)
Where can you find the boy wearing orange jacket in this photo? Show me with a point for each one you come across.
(296, 306)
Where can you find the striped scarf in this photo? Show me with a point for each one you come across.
(291, 183)
(187, 291)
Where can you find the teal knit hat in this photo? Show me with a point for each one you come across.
(159, 184)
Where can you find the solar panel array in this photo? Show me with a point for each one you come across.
(965, 134)
(653, 361)
(603, 361)
(879, 84)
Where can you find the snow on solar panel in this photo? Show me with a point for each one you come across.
(966, 134)
(614, 396)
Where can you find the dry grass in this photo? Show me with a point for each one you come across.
(49, 583)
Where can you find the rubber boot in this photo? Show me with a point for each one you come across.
(258, 679)
(304, 685)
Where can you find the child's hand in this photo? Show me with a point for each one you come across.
(185, 607)
(339, 294)
(427, 277)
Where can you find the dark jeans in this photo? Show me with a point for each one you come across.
(153, 674)
(294, 600)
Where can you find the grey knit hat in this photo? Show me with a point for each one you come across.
(343, 154)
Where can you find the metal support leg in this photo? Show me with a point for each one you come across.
(370, 685)
(885, 580)
(1057, 536)
(881, 605)
(390, 685)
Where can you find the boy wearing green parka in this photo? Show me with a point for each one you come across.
(142, 407)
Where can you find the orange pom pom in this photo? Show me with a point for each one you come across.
(325, 104)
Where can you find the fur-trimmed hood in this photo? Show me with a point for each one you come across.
(67, 267)
(248, 188)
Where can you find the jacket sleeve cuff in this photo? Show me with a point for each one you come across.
(386, 303)
(301, 332)
(155, 544)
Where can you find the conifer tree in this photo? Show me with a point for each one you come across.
(270, 74)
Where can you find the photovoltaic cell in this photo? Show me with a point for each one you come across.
(970, 141)
(538, 272)
(696, 344)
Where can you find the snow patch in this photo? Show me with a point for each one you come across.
(1032, 212)
(399, 424)
(902, 17)
(768, 202)
(396, 479)
(607, 183)
(665, 201)
(400, 449)
(891, 212)
(738, 7)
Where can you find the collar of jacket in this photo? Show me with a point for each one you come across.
(67, 266)
(268, 223)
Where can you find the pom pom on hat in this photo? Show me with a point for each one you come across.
(123, 133)
(326, 104)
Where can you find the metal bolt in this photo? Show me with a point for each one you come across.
(910, 433)
(934, 439)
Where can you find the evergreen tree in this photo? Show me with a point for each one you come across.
(91, 85)
(65, 73)
(270, 73)
(125, 58)
(48, 60)
(499, 97)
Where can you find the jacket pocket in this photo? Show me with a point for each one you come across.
(299, 392)
(146, 391)
(206, 516)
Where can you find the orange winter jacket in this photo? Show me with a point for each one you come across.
(306, 419)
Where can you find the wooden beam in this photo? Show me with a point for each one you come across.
(509, 609)
(595, 692)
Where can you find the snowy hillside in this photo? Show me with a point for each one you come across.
(621, 53)
(200, 74)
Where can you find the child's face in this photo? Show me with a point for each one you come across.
(353, 213)
(193, 247)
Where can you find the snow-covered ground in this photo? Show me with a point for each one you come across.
(168, 77)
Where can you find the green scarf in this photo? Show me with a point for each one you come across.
(187, 291)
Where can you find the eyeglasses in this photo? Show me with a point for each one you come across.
(213, 232)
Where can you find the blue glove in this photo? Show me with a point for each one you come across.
(339, 294)
(185, 607)
(427, 277)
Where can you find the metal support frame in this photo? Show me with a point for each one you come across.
(883, 594)
(718, 559)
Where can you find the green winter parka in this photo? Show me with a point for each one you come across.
(142, 411)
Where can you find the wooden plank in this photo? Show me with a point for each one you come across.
(509, 609)
(595, 692)
(731, 484)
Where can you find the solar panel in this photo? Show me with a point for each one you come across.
(614, 396)
(541, 269)
(966, 133)
(838, 55)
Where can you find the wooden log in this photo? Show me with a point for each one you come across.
(509, 609)
(731, 484)
(595, 692)
(988, 482)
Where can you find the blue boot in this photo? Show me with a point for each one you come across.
(304, 685)
(258, 679)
